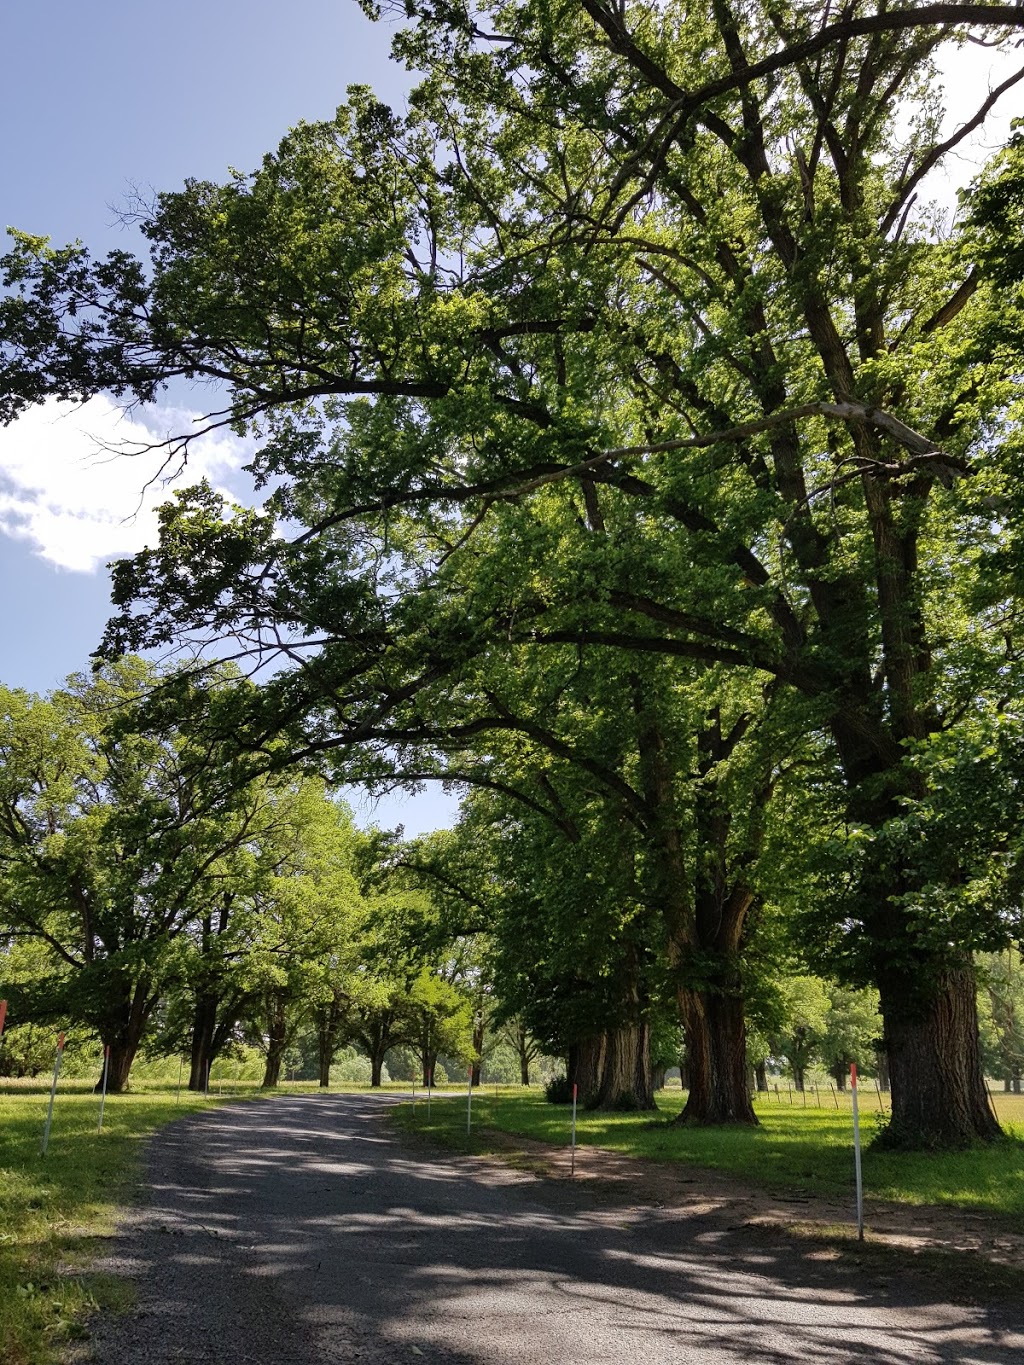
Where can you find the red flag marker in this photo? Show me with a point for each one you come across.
(3, 1016)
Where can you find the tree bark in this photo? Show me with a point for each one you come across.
(761, 1077)
(277, 1039)
(716, 1051)
(478, 1046)
(586, 1060)
(428, 1059)
(125, 1037)
(328, 1033)
(625, 1077)
(939, 1097)
(524, 1066)
(204, 1022)
(119, 1064)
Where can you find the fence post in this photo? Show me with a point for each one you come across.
(856, 1153)
(103, 1093)
(469, 1102)
(53, 1093)
(572, 1158)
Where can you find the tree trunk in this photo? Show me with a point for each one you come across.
(658, 1077)
(524, 1065)
(716, 1051)
(939, 1097)
(478, 1046)
(376, 1067)
(761, 1077)
(429, 1061)
(125, 1037)
(839, 1074)
(328, 1029)
(625, 1081)
(586, 1060)
(204, 1022)
(119, 1064)
(377, 1041)
(277, 1039)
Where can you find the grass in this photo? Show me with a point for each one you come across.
(56, 1210)
(806, 1151)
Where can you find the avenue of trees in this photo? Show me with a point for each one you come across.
(642, 455)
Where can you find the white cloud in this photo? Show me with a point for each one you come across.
(79, 505)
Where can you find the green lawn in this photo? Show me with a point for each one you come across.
(809, 1151)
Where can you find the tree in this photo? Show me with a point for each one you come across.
(116, 837)
(527, 1049)
(851, 1032)
(646, 258)
(1003, 1010)
(806, 1011)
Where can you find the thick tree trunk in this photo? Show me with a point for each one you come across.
(204, 1022)
(277, 1039)
(428, 1061)
(625, 1081)
(329, 1019)
(761, 1077)
(839, 1074)
(716, 1051)
(376, 1067)
(119, 1065)
(939, 1097)
(658, 1078)
(377, 1041)
(125, 1037)
(586, 1060)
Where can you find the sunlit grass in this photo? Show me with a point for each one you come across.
(795, 1150)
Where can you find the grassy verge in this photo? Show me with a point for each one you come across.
(795, 1150)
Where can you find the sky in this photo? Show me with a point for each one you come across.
(98, 101)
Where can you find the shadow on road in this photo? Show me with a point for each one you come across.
(306, 1230)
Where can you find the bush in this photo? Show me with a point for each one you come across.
(558, 1090)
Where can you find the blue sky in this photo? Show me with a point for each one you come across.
(97, 99)
(105, 97)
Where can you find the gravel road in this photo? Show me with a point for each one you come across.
(304, 1230)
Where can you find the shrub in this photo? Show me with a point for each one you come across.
(558, 1090)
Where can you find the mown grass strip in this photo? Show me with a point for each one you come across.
(795, 1150)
